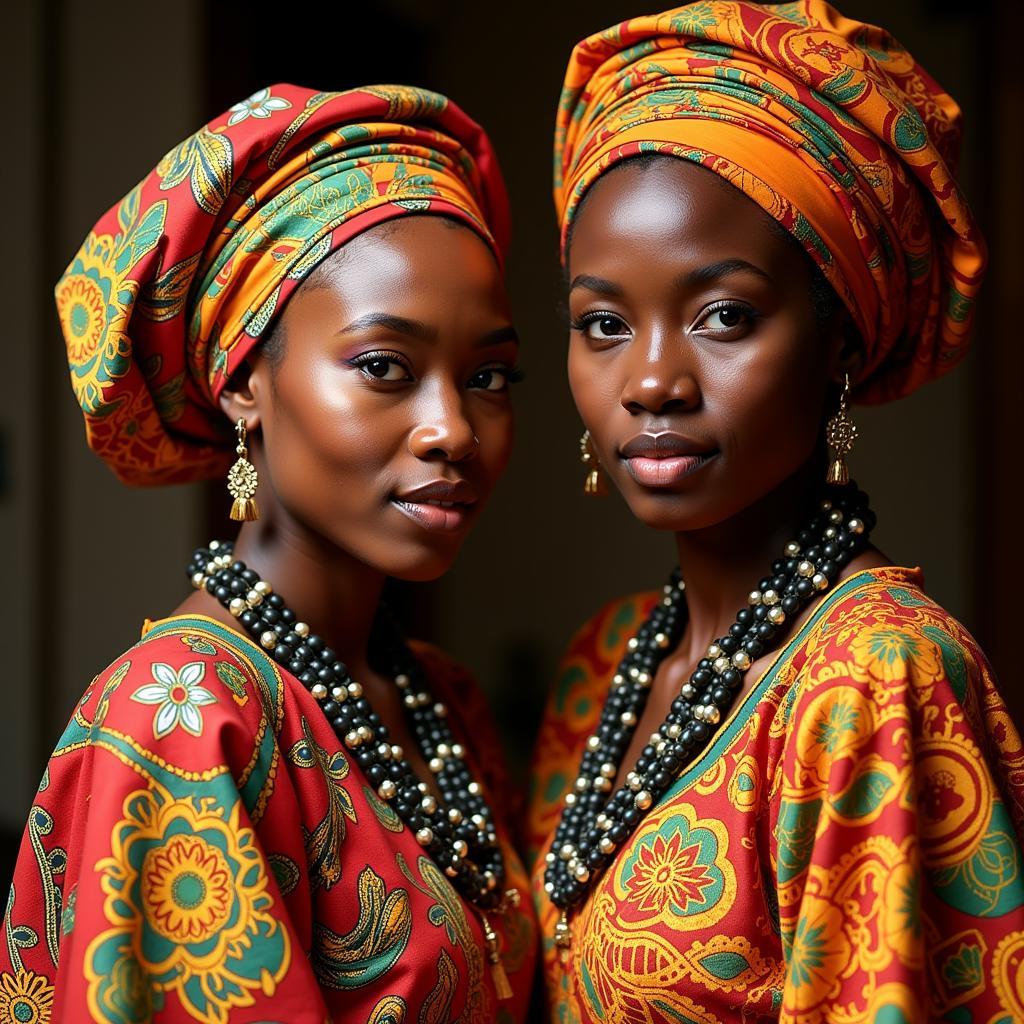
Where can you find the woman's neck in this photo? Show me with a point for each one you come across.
(326, 587)
(723, 563)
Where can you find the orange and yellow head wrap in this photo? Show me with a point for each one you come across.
(177, 283)
(829, 125)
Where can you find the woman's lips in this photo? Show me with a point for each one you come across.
(664, 458)
(442, 505)
(445, 517)
(664, 472)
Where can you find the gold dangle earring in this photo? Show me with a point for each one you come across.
(242, 481)
(594, 484)
(840, 433)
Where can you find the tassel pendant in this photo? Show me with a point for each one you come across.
(501, 982)
(563, 933)
(840, 434)
(837, 471)
(593, 485)
(242, 481)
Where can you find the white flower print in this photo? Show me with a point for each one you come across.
(259, 104)
(179, 697)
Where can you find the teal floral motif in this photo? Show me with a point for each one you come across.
(694, 19)
(260, 104)
(178, 697)
(674, 869)
(841, 718)
(963, 969)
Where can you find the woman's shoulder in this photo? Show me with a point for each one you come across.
(887, 629)
(190, 682)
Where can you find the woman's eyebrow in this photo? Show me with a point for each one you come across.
(422, 331)
(600, 285)
(398, 324)
(723, 268)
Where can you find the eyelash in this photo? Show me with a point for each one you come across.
(512, 374)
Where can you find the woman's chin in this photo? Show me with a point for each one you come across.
(421, 566)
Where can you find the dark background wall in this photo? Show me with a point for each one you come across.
(105, 88)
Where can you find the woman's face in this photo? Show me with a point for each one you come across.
(695, 357)
(386, 421)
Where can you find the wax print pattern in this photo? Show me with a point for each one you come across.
(830, 125)
(847, 850)
(201, 849)
(176, 283)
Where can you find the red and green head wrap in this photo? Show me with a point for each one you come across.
(829, 125)
(177, 283)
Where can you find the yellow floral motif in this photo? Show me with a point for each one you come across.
(894, 654)
(94, 295)
(187, 889)
(25, 998)
(187, 894)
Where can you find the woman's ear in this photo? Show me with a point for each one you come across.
(240, 398)
(846, 355)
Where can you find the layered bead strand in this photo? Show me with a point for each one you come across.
(458, 831)
(596, 822)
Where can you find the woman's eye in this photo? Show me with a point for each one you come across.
(492, 379)
(382, 368)
(602, 326)
(726, 318)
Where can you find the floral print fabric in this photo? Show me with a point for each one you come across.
(202, 849)
(849, 848)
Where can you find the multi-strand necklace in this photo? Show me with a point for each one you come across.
(595, 821)
(458, 830)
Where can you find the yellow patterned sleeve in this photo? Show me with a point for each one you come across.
(896, 839)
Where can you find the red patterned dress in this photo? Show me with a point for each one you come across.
(202, 849)
(848, 849)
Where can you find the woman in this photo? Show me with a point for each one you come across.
(271, 807)
(810, 809)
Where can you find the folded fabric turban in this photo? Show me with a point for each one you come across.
(177, 283)
(830, 126)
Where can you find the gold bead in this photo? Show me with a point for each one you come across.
(301, 628)
(770, 597)
(198, 579)
(355, 691)
(582, 873)
(428, 804)
(402, 681)
(776, 616)
(754, 597)
(605, 845)
(460, 847)
(237, 606)
(454, 815)
(319, 691)
(424, 837)
(643, 800)
(263, 588)
(741, 660)
(435, 765)
(387, 790)
(805, 568)
(721, 665)
(254, 598)
(352, 739)
(628, 719)
(594, 744)
(269, 639)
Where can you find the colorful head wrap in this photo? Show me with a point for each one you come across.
(829, 125)
(177, 283)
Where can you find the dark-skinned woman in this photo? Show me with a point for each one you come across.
(272, 807)
(784, 787)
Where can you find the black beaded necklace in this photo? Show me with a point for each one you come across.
(460, 835)
(595, 822)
